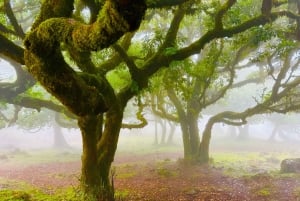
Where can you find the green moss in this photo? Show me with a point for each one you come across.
(264, 192)
(163, 169)
(53, 8)
(38, 195)
(164, 172)
(108, 28)
(122, 194)
(126, 175)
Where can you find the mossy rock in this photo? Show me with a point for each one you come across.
(291, 165)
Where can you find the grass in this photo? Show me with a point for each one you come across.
(26, 158)
(264, 192)
(163, 170)
(33, 194)
(122, 194)
(125, 175)
(248, 163)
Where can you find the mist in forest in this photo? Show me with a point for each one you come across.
(267, 132)
(279, 133)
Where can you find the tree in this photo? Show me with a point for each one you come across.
(62, 52)
(204, 82)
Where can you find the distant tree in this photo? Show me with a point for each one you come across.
(204, 81)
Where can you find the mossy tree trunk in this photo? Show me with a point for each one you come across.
(99, 148)
(190, 136)
(86, 93)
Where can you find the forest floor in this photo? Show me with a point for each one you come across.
(157, 177)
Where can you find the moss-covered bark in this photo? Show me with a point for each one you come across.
(98, 153)
(43, 54)
(86, 94)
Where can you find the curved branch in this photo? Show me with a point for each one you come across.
(174, 27)
(140, 117)
(5, 30)
(159, 110)
(115, 60)
(38, 104)
(81, 94)
(112, 22)
(220, 14)
(175, 100)
(195, 47)
(136, 74)
(11, 50)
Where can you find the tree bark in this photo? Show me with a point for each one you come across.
(98, 153)
(203, 152)
(190, 136)
(90, 171)
(185, 138)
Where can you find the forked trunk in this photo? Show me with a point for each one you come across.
(98, 154)
(191, 140)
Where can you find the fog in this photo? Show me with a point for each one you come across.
(269, 132)
(278, 133)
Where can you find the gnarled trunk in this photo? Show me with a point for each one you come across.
(190, 136)
(98, 153)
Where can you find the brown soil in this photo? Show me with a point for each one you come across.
(149, 178)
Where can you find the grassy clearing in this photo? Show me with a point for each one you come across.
(26, 158)
(248, 163)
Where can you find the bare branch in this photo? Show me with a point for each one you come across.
(12, 18)
(139, 116)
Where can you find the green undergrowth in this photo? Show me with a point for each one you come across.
(33, 194)
(13, 190)
(264, 192)
(163, 169)
(24, 157)
(248, 163)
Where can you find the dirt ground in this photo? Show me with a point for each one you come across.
(152, 178)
